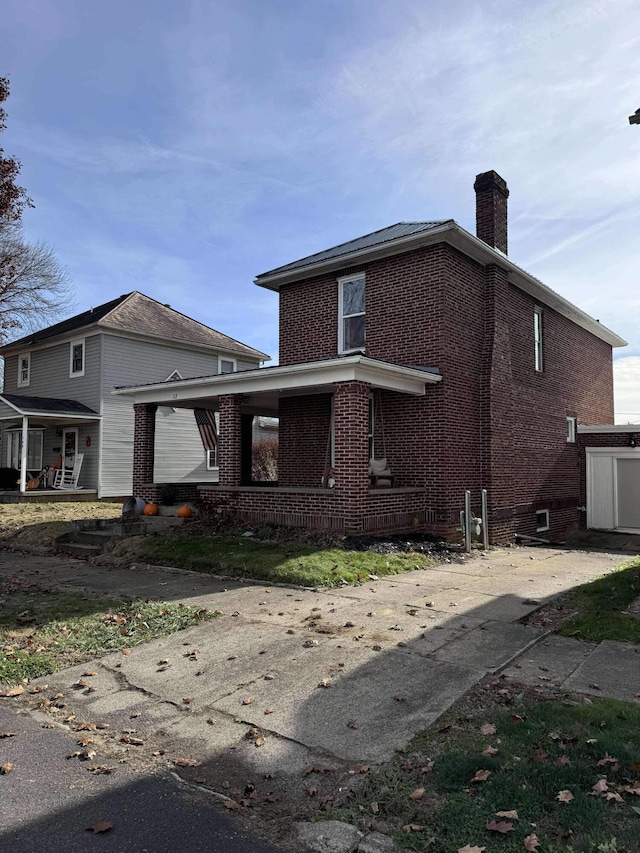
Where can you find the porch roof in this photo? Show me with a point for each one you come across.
(13, 406)
(263, 387)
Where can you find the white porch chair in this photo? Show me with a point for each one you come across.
(68, 479)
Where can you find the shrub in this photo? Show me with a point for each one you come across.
(264, 463)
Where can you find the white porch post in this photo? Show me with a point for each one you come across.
(23, 454)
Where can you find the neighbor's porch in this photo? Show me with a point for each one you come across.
(328, 435)
(39, 436)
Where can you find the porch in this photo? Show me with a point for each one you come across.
(331, 415)
(40, 435)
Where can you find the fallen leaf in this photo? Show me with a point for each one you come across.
(316, 768)
(468, 849)
(418, 794)
(511, 815)
(186, 762)
(414, 827)
(7, 734)
(269, 710)
(39, 688)
(132, 741)
(259, 741)
(352, 724)
(399, 698)
(564, 796)
(488, 729)
(375, 808)
(612, 795)
(563, 761)
(311, 790)
(600, 787)
(13, 691)
(501, 826)
(325, 683)
(248, 700)
(100, 769)
(5, 769)
(187, 700)
(490, 750)
(360, 768)
(481, 775)
(126, 651)
(231, 805)
(212, 721)
(101, 826)
(531, 842)
(89, 672)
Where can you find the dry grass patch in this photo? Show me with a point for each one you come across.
(42, 523)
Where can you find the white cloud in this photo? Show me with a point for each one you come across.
(626, 378)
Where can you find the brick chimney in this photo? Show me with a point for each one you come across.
(491, 209)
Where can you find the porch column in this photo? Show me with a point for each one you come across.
(23, 454)
(143, 445)
(351, 449)
(230, 440)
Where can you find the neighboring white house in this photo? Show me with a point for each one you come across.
(58, 384)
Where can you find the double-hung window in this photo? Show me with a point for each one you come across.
(537, 338)
(351, 311)
(24, 369)
(227, 365)
(76, 362)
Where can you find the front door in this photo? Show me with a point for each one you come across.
(69, 448)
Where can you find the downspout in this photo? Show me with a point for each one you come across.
(23, 454)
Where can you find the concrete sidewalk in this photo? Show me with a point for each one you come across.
(330, 677)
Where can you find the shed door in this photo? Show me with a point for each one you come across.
(628, 483)
(601, 513)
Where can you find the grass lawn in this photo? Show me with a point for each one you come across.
(566, 773)
(600, 605)
(41, 523)
(284, 562)
(42, 631)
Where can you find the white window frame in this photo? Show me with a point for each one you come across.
(212, 459)
(541, 526)
(23, 383)
(77, 342)
(342, 316)
(571, 430)
(233, 361)
(538, 339)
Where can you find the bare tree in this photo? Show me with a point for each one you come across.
(34, 286)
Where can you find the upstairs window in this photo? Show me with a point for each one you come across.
(76, 366)
(226, 365)
(351, 310)
(571, 430)
(24, 369)
(537, 338)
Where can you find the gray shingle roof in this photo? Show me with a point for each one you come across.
(376, 238)
(47, 405)
(135, 312)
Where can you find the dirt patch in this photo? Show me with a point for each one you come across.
(40, 524)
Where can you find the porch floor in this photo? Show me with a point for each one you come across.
(47, 496)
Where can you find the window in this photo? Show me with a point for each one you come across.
(24, 369)
(34, 449)
(542, 520)
(351, 310)
(174, 377)
(76, 365)
(537, 338)
(571, 430)
(226, 365)
(372, 416)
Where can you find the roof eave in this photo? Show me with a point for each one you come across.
(470, 245)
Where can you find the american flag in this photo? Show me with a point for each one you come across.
(206, 421)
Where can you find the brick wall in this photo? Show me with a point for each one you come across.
(303, 437)
(144, 445)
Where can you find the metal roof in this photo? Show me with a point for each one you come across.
(376, 238)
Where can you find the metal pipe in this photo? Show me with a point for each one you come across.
(485, 520)
(467, 521)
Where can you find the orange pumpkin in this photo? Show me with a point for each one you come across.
(184, 512)
(150, 509)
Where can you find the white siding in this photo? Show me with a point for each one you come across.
(179, 451)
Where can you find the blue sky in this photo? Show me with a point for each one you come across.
(181, 148)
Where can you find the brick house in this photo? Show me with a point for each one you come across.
(424, 345)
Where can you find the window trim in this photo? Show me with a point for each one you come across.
(545, 525)
(24, 383)
(572, 424)
(538, 339)
(233, 361)
(77, 342)
(345, 279)
(174, 376)
(15, 434)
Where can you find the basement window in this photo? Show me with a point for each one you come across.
(542, 520)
